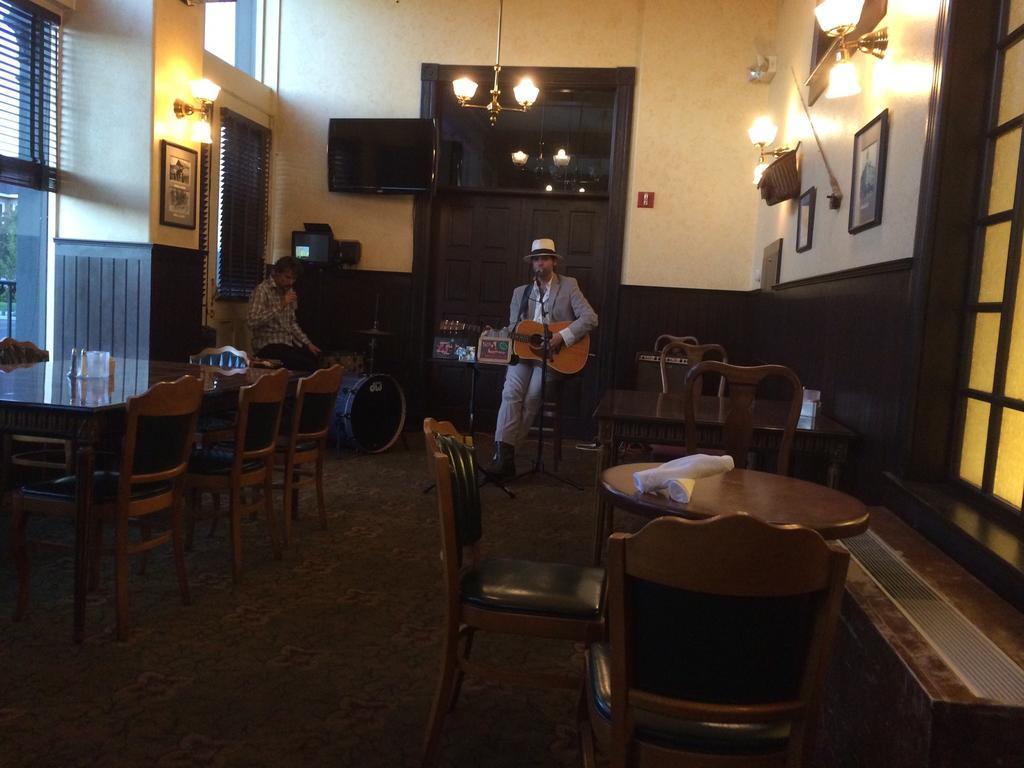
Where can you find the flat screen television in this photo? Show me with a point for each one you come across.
(380, 155)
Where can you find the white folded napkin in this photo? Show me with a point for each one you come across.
(679, 475)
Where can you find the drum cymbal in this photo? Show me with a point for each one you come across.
(375, 332)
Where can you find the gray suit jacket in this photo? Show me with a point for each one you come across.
(566, 302)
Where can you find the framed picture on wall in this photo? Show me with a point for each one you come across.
(805, 220)
(870, 145)
(179, 169)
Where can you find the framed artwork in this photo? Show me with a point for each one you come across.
(805, 220)
(771, 265)
(867, 182)
(179, 169)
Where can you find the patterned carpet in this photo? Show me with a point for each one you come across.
(329, 657)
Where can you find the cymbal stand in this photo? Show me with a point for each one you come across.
(538, 467)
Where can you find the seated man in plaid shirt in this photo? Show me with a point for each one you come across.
(275, 331)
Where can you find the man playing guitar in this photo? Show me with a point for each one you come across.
(562, 302)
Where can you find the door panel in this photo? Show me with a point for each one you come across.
(476, 263)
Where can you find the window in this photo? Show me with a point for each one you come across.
(234, 34)
(244, 182)
(29, 37)
(991, 403)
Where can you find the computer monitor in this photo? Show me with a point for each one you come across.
(312, 246)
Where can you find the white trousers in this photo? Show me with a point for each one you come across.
(520, 401)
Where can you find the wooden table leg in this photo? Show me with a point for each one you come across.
(84, 524)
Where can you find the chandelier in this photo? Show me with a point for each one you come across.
(526, 92)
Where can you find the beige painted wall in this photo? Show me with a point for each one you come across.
(106, 114)
(177, 61)
(362, 59)
(690, 145)
(902, 83)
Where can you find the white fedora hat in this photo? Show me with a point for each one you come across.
(542, 246)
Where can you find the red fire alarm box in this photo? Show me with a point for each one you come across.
(644, 199)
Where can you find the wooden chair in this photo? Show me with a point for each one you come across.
(224, 357)
(219, 427)
(301, 454)
(551, 408)
(667, 338)
(246, 462)
(694, 353)
(518, 597)
(43, 455)
(159, 430)
(719, 638)
(431, 429)
(739, 425)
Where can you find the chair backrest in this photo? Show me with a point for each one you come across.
(694, 353)
(259, 416)
(431, 429)
(667, 338)
(460, 506)
(159, 430)
(739, 419)
(14, 352)
(761, 604)
(224, 357)
(315, 399)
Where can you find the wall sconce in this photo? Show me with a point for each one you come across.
(838, 18)
(560, 159)
(762, 133)
(205, 92)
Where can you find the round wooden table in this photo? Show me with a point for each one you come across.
(772, 498)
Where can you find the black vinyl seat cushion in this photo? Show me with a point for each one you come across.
(217, 460)
(710, 738)
(556, 589)
(301, 447)
(104, 488)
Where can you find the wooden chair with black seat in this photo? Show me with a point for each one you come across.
(34, 456)
(219, 427)
(517, 597)
(742, 383)
(159, 430)
(719, 639)
(694, 353)
(245, 463)
(300, 451)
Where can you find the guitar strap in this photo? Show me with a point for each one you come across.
(524, 305)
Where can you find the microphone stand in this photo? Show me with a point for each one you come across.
(538, 467)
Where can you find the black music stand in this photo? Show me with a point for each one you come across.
(538, 467)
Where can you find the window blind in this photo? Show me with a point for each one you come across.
(29, 39)
(244, 180)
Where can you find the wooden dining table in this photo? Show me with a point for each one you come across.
(775, 499)
(41, 399)
(625, 416)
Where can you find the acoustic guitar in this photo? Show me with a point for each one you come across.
(528, 343)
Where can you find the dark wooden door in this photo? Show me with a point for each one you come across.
(476, 263)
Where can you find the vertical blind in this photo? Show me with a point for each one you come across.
(29, 38)
(244, 179)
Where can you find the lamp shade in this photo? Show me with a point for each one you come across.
(842, 80)
(759, 170)
(839, 16)
(762, 131)
(465, 89)
(205, 89)
(201, 132)
(519, 158)
(561, 159)
(526, 92)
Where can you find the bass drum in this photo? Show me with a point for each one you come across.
(371, 412)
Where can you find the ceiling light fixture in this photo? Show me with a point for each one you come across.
(526, 92)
